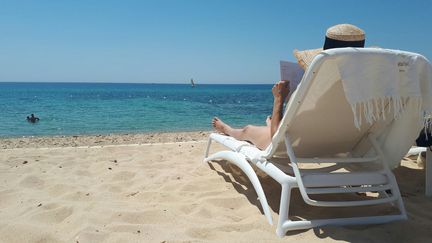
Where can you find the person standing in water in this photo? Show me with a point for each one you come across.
(32, 118)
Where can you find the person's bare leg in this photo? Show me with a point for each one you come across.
(224, 128)
(258, 135)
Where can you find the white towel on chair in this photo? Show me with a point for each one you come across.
(367, 95)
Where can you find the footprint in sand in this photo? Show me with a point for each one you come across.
(52, 215)
(90, 236)
(7, 197)
(123, 176)
(83, 173)
(32, 181)
(77, 196)
(157, 216)
(60, 189)
(204, 213)
(228, 202)
(190, 208)
(202, 233)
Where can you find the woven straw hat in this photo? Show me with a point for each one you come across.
(341, 35)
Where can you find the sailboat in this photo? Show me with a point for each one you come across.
(192, 83)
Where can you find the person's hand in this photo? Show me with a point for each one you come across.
(280, 91)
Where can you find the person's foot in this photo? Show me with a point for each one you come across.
(219, 125)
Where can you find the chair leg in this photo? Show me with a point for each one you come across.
(396, 191)
(283, 209)
(428, 172)
(208, 148)
(241, 162)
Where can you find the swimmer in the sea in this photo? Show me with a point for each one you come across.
(32, 118)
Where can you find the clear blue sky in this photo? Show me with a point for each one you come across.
(172, 41)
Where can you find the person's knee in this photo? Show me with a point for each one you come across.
(246, 129)
(244, 132)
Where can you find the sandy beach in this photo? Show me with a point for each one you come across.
(156, 188)
(100, 140)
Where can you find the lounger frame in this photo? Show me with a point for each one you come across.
(379, 179)
(289, 182)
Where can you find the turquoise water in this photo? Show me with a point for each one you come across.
(104, 108)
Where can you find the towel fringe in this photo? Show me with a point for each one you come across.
(370, 110)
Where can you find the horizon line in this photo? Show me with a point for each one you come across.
(102, 82)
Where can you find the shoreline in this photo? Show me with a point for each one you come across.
(101, 139)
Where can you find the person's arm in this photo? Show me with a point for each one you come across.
(280, 93)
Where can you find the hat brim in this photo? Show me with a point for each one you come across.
(305, 57)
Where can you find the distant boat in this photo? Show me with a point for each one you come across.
(192, 83)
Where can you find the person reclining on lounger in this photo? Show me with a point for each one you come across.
(338, 36)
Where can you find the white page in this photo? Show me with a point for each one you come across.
(291, 71)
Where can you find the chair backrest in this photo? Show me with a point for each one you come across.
(319, 119)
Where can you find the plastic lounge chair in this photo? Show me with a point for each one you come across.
(427, 166)
(320, 127)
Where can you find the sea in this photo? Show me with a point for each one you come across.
(126, 108)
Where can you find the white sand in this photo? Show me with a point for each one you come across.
(164, 193)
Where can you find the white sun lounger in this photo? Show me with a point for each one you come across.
(427, 166)
(318, 127)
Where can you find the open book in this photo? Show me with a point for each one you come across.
(291, 71)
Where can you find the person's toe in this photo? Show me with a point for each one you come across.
(214, 121)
